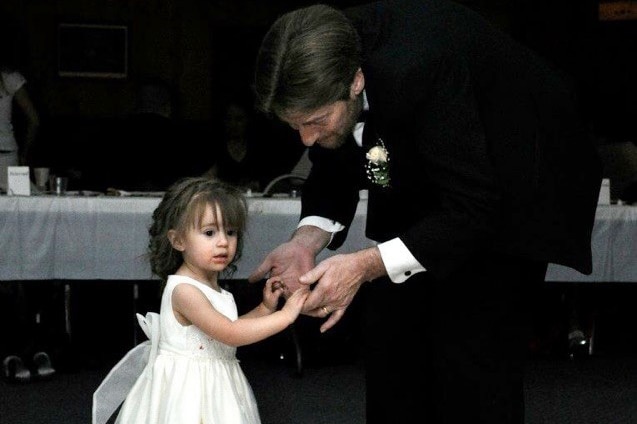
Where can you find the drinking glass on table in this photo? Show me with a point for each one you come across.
(41, 176)
(58, 184)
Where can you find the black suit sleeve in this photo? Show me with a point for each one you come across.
(331, 189)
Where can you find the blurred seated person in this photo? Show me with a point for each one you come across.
(153, 130)
(144, 146)
(237, 159)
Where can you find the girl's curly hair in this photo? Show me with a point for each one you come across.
(181, 209)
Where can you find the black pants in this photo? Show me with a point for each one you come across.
(31, 317)
(452, 350)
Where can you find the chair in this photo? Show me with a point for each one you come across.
(285, 183)
(293, 180)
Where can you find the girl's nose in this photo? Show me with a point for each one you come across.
(222, 238)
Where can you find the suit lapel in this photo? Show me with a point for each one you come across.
(370, 138)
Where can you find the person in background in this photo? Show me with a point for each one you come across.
(292, 182)
(241, 154)
(479, 171)
(194, 377)
(32, 317)
(13, 92)
(236, 159)
(22, 361)
(153, 129)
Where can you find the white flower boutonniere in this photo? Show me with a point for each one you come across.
(377, 166)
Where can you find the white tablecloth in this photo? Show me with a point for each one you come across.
(105, 238)
(614, 245)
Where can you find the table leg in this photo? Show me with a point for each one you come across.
(135, 300)
(67, 310)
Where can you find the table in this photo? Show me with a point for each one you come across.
(105, 238)
(81, 238)
(614, 246)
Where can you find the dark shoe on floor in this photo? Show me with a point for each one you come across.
(42, 366)
(14, 370)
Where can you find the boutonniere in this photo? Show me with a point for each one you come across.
(377, 166)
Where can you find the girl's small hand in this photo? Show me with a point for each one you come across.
(277, 284)
(294, 304)
(272, 291)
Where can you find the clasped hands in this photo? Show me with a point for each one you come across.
(332, 283)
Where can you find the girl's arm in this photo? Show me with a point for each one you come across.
(272, 291)
(191, 306)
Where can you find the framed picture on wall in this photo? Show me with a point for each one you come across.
(92, 51)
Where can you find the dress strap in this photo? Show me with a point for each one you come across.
(120, 380)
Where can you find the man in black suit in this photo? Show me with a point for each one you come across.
(479, 174)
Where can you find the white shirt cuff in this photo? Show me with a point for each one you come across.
(398, 260)
(323, 223)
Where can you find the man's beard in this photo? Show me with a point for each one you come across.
(338, 139)
(335, 141)
(354, 110)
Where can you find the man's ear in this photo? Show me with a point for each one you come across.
(175, 240)
(358, 84)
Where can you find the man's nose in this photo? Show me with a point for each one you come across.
(309, 136)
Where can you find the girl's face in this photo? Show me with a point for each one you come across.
(208, 246)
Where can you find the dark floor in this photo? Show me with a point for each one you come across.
(594, 390)
(326, 386)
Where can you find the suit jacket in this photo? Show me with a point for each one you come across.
(487, 151)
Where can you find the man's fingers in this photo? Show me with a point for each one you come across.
(259, 273)
(312, 276)
(255, 276)
(301, 292)
(313, 302)
(334, 317)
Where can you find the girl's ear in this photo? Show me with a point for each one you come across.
(175, 240)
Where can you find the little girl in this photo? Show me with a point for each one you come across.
(193, 375)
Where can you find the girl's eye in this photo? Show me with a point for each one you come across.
(209, 233)
(231, 233)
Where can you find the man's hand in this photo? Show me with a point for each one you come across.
(292, 259)
(339, 279)
(285, 264)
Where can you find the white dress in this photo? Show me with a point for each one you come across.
(193, 378)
